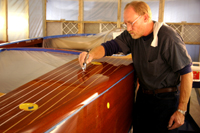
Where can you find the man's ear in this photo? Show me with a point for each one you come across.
(146, 17)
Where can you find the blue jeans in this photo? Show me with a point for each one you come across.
(152, 112)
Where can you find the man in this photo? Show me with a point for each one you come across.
(160, 59)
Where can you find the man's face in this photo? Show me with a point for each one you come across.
(136, 29)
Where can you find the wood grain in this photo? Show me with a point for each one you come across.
(72, 101)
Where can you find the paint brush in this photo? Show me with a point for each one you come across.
(86, 58)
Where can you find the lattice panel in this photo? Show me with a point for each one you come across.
(91, 28)
(54, 28)
(178, 28)
(70, 28)
(189, 33)
(107, 26)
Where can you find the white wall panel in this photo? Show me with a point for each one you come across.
(36, 18)
(17, 19)
(182, 10)
(62, 9)
(2, 20)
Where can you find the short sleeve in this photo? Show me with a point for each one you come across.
(176, 54)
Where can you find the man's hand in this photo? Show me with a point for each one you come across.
(176, 120)
(96, 53)
(82, 57)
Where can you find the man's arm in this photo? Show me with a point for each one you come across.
(96, 53)
(177, 119)
(105, 49)
(185, 90)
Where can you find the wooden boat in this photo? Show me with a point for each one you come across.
(98, 100)
(36, 42)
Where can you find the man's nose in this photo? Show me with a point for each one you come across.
(129, 27)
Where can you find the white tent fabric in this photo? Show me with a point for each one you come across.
(100, 10)
(26, 19)
(19, 67)
(36, 18)
(2, 21)
(79, 42)
(62, 9)
(17, 19)
(105, 10)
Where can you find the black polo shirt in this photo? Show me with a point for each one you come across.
(156, 67)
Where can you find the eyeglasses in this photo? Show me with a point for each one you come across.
(125, 25)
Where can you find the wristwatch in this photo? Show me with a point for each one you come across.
(182, 112)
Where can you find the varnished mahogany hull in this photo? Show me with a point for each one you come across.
(99, 100)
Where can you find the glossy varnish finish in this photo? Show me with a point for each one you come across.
(70, 100)
(26, 43)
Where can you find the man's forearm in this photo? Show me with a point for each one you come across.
(185, 90)
(98, 52)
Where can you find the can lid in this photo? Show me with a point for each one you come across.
(96, 63)
(28, 106)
